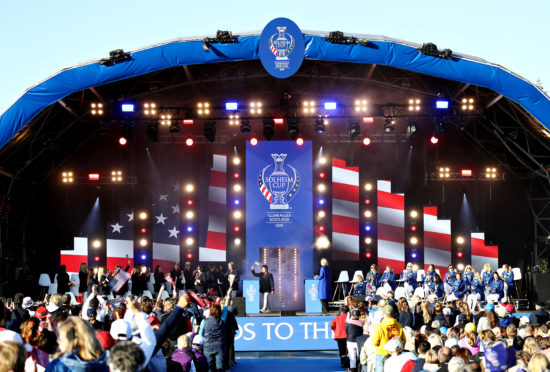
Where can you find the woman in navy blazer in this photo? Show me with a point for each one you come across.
(324, 287)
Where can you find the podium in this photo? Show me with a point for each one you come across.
(251, 292)
(313, 305)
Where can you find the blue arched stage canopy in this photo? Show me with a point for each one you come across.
(380, 50)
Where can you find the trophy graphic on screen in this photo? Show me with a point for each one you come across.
(281, 185)
(282, 46)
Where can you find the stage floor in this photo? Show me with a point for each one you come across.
(320, 361)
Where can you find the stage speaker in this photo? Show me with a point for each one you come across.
(239, 306)
(288, 313)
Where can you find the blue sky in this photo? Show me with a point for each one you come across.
(39, 38)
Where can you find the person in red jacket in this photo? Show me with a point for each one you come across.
(338, 326)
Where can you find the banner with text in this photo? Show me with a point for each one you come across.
(279, 215)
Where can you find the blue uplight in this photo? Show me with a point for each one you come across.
(237, 202)
(368, 228)
(143, 257)
(189, 228)
(127, 107)
(414, 255)
(322, 201)
(231, 106)
(330, 105)
(442, 104)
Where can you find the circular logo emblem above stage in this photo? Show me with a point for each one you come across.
(278, 182)
(282, 48)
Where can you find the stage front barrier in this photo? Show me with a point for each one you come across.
(284, 333)
(313, 305)
(251, 292)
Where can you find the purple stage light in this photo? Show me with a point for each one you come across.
(189, 228)
(414, 255)
(321, 201)
(237, 202)
(368, 228)
(143, 257)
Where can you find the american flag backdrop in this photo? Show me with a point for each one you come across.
(213, 247)
(391, 227)
(437, 241)
(345, 211)
(482, 254)
(72, 258)
(120, 241)
(166, 228)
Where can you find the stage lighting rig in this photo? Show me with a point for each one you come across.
(96, 109)
(389, 125)
(268, 129)
(153, 131)
(309, 107)
(467, 104)
(128, 131)
(222, 37)
(354, 129)
(293, 128)
(174, 127)
(430, 49)
(412, 129)
(245, 126)
(255, 108)
(337, 37)
(320, 125)
(210, 130)
(115, 56)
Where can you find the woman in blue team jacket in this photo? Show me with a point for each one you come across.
(439, 288)
(324, 289)
(497, 288)
(388, 277)
(508, 277)
(459, 287)
(409, 276)
(373, 276)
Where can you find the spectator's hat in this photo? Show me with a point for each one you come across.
(92, 313)
(540, 303)
(198, 340)
(393, 344)
(52, 307)
(524, 320)
(489, 307)
(446, 311)
(470, 327)
(41, 312)
(105, 339)
(121, 330)
(27, 302)
(432, 297)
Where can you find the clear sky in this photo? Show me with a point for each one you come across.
(38, 38)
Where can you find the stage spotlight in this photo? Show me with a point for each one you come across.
(174, 127)
(278, 121)
(231, 106)
(466, 172)
(188, 121)
(237, 229)
(354, 129)
(255, 108)
(189, 215)
(203, 108)
(459, 254)
(299, 141)
(116, 176)
(490, 172)
(366, 141)
(143, 242)
(189, 228)
(412, 129)
(293, 128)
(97, 258)
(67, 177)
(368, 213)
(190, 202)
(442, 104)
(368, 254)
(189, 241)
(268, 129)
(413, 228)
(321, 228)
(444, 172)
(413, 240)
(210, 130)
(245, 126)
(368, 240)
(367, 201)
(237, 202)
(253, 141)
(236, 175)
(153, 131)
(127, 107)
(319, 125)
(460, 240)
(389, 125)
(360, 105)
(142, 215)
(308, 107)
(237, 215)
(330, 106)
(434, 140)
(189, 256)
(414, 104)
(467, 104)
(189, 142)
(236, 160)
(96, 243)
(322, 160)
(143, 258)
(237, 241)
(368, 228)
(149, 109)
(321, 201)
(413, 213)
(322, 175)
(321, 187)
(322, 242)
(122, 141)
(189, 187)
(234, 120)
(367, 120)
(321, 214)
(143, 230)
(368, 186)
(96, 109)
(414, 255)
(460, 267)
(237, 188)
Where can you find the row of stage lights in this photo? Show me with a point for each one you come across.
(239, 116)
(446, 173)
(68, 177)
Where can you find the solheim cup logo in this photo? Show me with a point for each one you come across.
(281, 185)
(282, 46)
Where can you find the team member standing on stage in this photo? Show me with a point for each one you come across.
(267, 286)
(409, 277)
(496, 292)
(373, 277)
(508, 277)
(232, 286)
(449, 280)
(429, 281)
(323, 289)
(487, 278)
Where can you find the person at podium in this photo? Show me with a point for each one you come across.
(267, 286)
(323, 289)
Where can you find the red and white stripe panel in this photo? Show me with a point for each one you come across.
(482, 254)
(119, 251)
(165, 255)
(391, 228)
(437, 241)
(345, 211)
(73, 258)
(216, 238)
